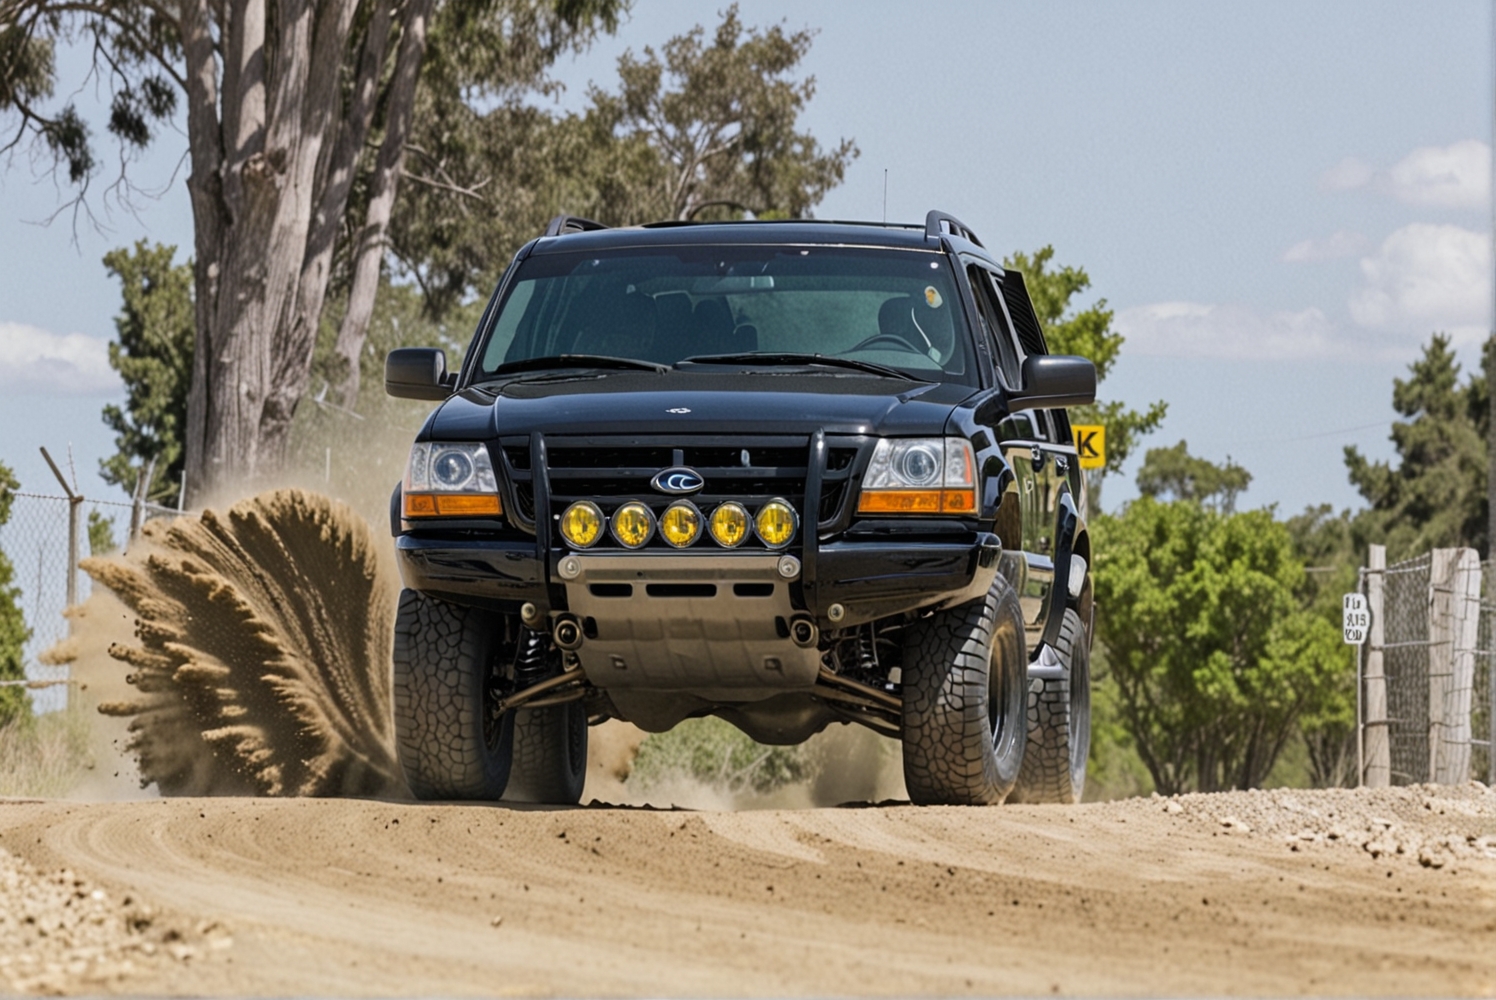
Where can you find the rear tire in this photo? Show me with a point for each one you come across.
(449, 744)
(964, 701)
(1059, 724)
(550, 755)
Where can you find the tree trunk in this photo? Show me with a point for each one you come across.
(369, 252)
(269, 184)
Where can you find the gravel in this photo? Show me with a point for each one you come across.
(1436, 825)
(61, 934)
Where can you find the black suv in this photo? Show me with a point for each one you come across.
(784, 473)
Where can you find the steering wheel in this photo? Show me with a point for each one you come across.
(888, 340)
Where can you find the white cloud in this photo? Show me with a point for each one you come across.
(1453, 176)
(1232, 331)
(1332, 247)
(36, 360)
(1425, 278)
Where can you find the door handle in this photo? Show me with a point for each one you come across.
(1037, 455)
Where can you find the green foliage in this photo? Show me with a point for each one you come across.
(1436, 496)
(1214, 658)
(718, 754)
(1332, 553)
(124, 35)
(1175, 474)
(1087, 332)
(14, 702)
(100, 534)
(153, 354)
(1114, 770)
(703, 128)
(45, 755)
(720, 115)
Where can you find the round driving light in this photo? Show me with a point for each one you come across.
(582, 524)
(632, 524)
(680, 525)
(451, 468)
(919, 465)
(775, 524)
(729, 524)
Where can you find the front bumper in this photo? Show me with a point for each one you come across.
(868, 578)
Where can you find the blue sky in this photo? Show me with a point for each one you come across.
(1281, 201)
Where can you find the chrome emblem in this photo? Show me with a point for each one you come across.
(679, 409)
(678, 481)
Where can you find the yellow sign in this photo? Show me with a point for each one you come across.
(1090, 444)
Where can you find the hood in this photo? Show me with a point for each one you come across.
(699, 403)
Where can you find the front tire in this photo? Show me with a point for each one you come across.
(550, 755)
(449, 744)
(1059, 723)
(965, 700)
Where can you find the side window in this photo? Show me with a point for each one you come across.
(992, 322)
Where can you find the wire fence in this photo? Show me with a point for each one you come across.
(44, 538)
(1428, 688)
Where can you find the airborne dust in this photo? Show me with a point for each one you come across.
(262, 661)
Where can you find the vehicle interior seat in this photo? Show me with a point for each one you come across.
(626, 329)
(896, 319)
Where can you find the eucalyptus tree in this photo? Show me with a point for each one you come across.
(297, 118)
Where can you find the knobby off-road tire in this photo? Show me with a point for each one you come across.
(448, 743)
(964, 701)
(550, 755)
(1059, 723)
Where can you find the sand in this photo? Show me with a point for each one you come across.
(1144, 896)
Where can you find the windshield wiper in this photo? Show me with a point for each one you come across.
(829, 360)
(579, 361)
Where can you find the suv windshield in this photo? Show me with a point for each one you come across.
(895, 308)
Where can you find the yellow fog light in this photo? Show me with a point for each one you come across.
(582, 524)
(632, 524)
(775, 523)
(729, 524)
(680, 525)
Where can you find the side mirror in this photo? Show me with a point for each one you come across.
(417, 373)
(1054, 380)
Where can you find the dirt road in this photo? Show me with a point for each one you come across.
(1256, 893)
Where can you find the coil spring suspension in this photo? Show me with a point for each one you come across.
(531, 662)
(867, 652)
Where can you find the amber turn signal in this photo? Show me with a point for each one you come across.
(452, 505)
(917, 502)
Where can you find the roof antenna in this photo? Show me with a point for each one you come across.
(885, 196)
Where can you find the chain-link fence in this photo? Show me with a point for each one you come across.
(44, 538)
(1428, 694)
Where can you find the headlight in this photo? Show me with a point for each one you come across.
(680, 525)
(776, 523)
(451, 480)
(632, 525)
(729, 524)
(582, 524)
(920, 476)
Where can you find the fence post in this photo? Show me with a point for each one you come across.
(1452, 756)
(1378, 768)
(75, 505)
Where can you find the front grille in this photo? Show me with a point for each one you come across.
(611, 471)
(751, 470)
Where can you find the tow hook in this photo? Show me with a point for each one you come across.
(567, 633)
(803, 631)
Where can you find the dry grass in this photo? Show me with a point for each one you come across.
(45, 756)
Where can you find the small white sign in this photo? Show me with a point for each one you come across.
(1356, 618)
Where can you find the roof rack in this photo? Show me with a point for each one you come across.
(954, 225)
(563, 224)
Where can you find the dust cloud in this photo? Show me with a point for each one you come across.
(263, 647)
